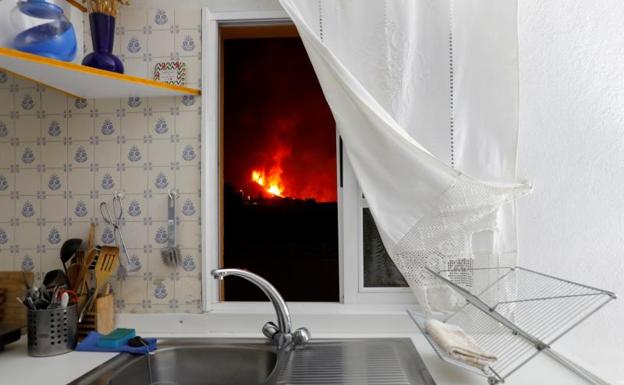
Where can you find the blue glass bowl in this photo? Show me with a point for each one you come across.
(54, 38)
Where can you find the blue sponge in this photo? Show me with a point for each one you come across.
(116, 339)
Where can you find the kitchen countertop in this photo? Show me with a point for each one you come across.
(17, 368)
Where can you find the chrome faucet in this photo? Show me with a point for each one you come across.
(281, 334)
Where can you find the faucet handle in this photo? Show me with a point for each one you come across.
(301, 336)
(270, 330)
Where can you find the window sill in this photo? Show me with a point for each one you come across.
(245, 319)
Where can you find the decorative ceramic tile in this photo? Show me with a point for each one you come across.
(54, 154)
(61, 156)
(160, 18)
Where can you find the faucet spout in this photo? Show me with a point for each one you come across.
(281, 334)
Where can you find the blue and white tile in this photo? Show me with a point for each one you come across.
(81, 154)
(6, 260)
(191, 265)
(7, 129)
(107, 127)
(54, 182)
(7, 155)
(54, 128)
(188, 294)
(189, 207)
(7, 210)
(82, 208)
(134, 290)
(135, 207)
(6, 101)
(27, 260)
(188, 102)
(157, 233)
(107, 106)
(27, 101)
(133, 18)
(6, 235)
(188, 18)
(188, 124)
(54, 207)
(161, 179)
(161, 104)
(133, 44)
(137, 66)
(27, 128)
(82, 181)
(158, 207)
(160, 290)
(134, 153)
(134, 180)
(107, 154)
(160, 153)
(161, 125)
(105, 235)
(134, 126)
(189, 235)
(160, 18)
(164, 46)
(27, 235)
(188, 152)
(28, 182)
(53, 101)
(135, 235)
(107, 181)
(188, 43)
(80, 106)
(53, 235)
(27, 155)
(54, 154)
(6, 79)
(187, 180)
(80, 127)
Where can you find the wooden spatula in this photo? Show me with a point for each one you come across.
(106, 265)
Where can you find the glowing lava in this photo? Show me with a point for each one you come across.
(271, 183)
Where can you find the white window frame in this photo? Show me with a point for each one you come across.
(350, 201)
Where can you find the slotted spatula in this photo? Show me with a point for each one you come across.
(105, 266)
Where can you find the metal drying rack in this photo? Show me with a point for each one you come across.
(516, 314)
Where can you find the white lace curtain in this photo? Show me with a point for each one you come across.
(424, 94)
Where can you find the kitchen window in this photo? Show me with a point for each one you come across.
(319, 242)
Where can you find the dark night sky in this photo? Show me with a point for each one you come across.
(274, 104)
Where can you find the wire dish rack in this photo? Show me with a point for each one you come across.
(516, 313)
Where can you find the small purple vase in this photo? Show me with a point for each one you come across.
(102, 36)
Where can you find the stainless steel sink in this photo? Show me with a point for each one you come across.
(256, 362)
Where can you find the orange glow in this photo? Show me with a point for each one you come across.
(272, 181)
(273, 184)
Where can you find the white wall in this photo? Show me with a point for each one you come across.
(572, 148)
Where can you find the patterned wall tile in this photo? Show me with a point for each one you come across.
(61, 156)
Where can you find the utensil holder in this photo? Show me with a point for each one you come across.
(52, 331)
(101, 320)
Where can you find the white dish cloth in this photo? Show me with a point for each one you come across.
(457, 344)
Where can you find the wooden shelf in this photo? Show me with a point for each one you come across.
(85, 82)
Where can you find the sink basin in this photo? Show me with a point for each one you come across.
(256, 362)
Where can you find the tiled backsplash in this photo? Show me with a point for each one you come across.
(60, 157)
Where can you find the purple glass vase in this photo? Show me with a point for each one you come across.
(102, 36)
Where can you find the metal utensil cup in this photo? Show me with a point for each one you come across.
(52, 331)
